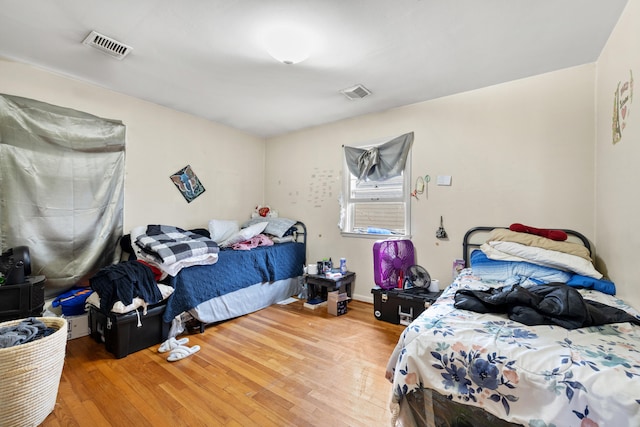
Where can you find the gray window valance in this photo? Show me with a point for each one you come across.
(381, 162)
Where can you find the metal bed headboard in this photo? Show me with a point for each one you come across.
(468, 244)
(301, 231)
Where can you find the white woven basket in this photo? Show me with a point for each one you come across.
(30, 375)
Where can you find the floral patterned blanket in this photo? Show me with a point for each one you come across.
(538, 376)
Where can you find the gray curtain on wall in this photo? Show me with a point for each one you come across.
(61, 188)
(381, 162)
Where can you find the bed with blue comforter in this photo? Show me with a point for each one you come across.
(253, 266)
(235, 270)
(482, 363)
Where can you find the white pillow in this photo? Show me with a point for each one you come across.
(244, 234)
(221, 229)
(549, 258)
(275, 226)
(137, 232)
(284, 239)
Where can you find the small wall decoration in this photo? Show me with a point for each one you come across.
(188, 183)
(622, 99)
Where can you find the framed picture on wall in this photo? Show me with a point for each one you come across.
(622, 98)
(188, 183)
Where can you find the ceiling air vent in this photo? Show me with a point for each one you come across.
(107, 45)
(356, 92)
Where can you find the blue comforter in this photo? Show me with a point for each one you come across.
(515, 272)
(523, 273)
(234, 270)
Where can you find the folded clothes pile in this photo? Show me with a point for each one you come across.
(26, 331)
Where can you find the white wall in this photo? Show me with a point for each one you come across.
(160, 141)
(518, 152)
(617, 171)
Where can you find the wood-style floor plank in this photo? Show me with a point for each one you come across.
(281, 366)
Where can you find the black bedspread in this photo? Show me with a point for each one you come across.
(555, 303)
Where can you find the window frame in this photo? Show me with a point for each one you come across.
(348, 202)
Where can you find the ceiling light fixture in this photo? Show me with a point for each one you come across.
(288, 44)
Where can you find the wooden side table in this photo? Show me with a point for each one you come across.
(318, 285)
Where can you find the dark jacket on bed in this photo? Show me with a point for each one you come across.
(552, 304)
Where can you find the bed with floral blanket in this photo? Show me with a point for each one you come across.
(453, 366)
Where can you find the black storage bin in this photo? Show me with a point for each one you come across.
(22, 300)
(401, 306)
(121, 334)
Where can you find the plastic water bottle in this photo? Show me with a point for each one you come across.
(343, 265)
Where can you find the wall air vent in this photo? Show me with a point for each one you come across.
(356, 92)
(107, 45)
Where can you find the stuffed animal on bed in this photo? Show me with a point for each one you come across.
(265, 212)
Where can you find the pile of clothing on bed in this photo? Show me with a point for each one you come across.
(170, 249)
(528, 257)
(540, 271)
(161, 250)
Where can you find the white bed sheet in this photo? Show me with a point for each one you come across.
(246, 300)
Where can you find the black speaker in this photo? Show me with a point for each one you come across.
(15, 265)
(22, 300)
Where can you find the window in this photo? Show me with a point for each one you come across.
(379, 205)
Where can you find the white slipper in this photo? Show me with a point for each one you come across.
(172, 343)
(181, 352)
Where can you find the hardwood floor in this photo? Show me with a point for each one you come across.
(281, 366)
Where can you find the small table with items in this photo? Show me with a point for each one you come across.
(318, 284)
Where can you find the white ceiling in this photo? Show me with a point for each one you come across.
(205, 57)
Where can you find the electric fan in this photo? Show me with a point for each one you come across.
(391, 258)
(417, 276)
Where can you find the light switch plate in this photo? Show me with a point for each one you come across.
(444, 180)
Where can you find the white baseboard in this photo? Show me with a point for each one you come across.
(368, 299)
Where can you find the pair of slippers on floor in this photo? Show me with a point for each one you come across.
(177, 349)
